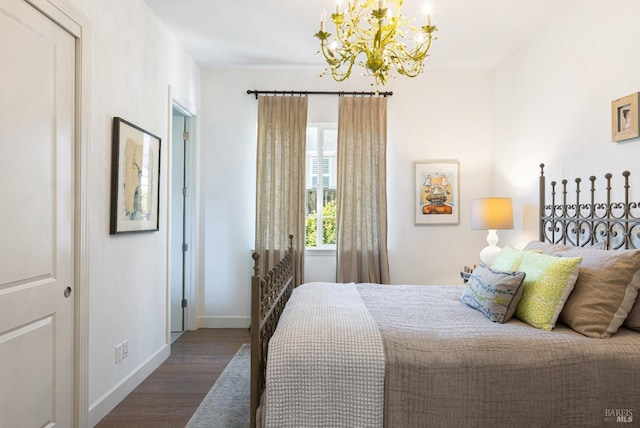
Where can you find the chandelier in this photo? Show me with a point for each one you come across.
(377, 29)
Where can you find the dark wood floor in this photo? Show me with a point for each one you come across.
(170, 395)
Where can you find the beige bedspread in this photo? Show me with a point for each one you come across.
(449, 366)
(325, 364)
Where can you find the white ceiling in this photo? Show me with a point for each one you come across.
(473, 34)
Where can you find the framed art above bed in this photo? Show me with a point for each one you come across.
(436, 192)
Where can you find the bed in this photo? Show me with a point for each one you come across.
(369, 355)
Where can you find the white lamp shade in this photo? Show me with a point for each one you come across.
(491, 214)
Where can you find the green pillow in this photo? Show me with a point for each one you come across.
(508, 259)
(549, 281)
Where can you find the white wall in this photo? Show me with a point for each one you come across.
(134, 59)
(553, 105)
(440, 115)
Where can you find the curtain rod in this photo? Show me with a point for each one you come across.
(339, 93)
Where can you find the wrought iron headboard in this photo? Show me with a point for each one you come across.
(578, 223)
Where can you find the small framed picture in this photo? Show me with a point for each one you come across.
(624, 118)
(436, 192)
(135, 179)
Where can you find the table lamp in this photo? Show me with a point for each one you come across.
(491, 214)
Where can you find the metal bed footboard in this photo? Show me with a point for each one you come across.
(269, 295)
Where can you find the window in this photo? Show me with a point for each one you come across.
(322, 165)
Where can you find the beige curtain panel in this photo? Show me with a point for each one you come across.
(280, 182)
(362, 193)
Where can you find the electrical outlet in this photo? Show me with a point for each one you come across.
(118, 353)
(125, 349)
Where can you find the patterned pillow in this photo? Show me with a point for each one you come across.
(508, 259)
(548, 283)
(494, 293)
(604, 292)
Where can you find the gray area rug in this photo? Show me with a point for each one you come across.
(227, 403)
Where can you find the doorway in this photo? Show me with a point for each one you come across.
(180, 227)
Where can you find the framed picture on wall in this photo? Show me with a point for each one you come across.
(437, 186)
(624, 118)
(135, 179)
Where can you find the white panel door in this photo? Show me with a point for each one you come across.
(37, 103)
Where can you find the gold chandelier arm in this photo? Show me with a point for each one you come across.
(342, 76)
(345, 32)
(401, 62)
(353, 27)
(418, 53)
(336, 64)
(391, 33)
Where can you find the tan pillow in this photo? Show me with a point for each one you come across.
(605, 291)
(633, 320)
(554, 249)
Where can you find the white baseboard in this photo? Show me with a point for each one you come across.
(103, 405)
(205, 321)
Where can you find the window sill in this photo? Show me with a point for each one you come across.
(319, 252)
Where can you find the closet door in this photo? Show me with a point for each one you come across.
(37, 107)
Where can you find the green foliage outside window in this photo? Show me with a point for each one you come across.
(329, 225)
(311, 226)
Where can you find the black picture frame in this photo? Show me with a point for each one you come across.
(135, 179)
